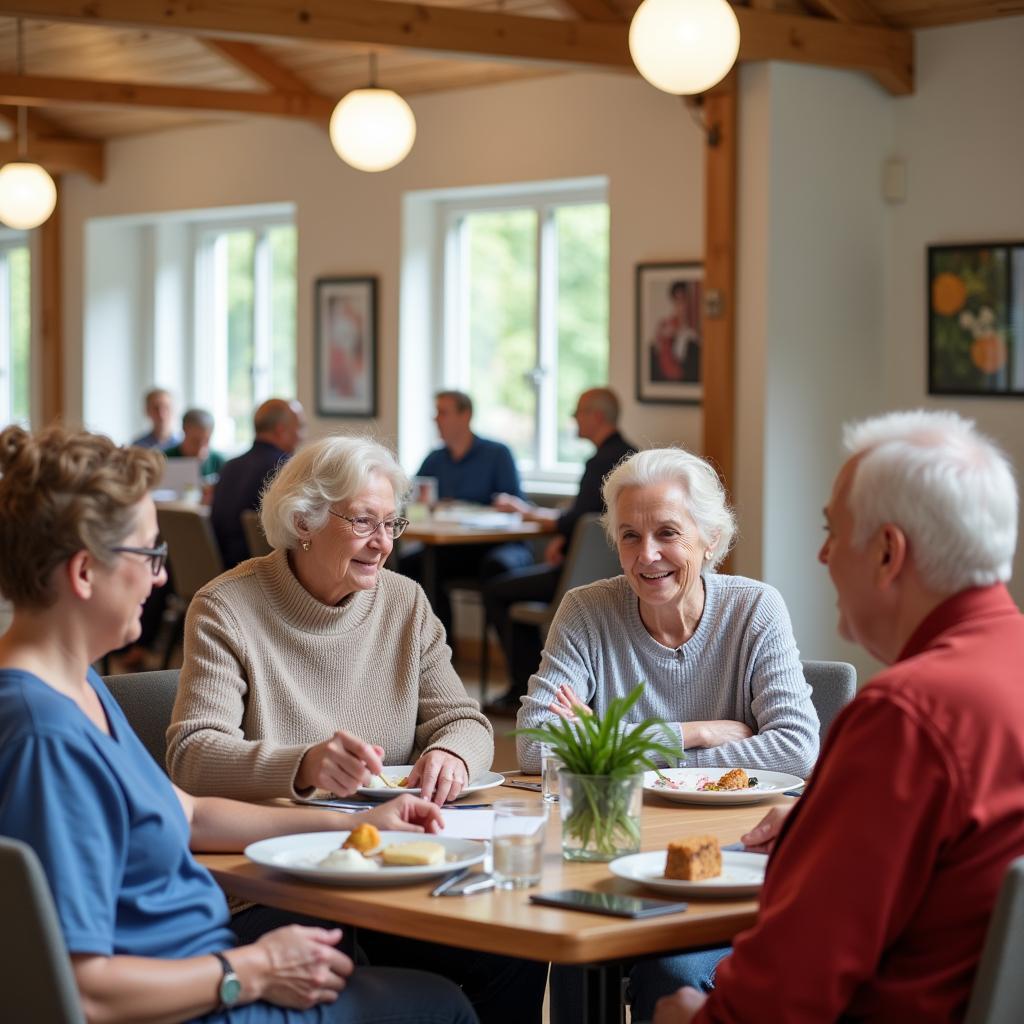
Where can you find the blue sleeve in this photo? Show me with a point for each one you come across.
(59, 798)
(506, 475)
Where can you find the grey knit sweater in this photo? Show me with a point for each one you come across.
(741, 664)
(270, 671)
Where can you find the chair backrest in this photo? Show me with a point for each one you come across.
(998, 993)
(833, 685)
(589, 557)
(36, 979)
(147, 700)
(254, 535)
(193, 552)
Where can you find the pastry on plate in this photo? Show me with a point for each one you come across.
(420, 852)
(363, 838)
(694, 858)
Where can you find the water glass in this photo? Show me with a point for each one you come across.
(518, 843)
(550, 762)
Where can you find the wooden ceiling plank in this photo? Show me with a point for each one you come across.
(886, 53)
(37, 90)
(258, 64)
(594, 10)
(855, 12)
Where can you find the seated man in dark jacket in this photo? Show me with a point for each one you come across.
(597, 419)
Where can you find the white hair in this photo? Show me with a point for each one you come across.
(331, 470)
(705, 496)
(946, 485)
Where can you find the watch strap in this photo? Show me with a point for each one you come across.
(229, 990)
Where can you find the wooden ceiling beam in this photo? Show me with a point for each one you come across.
(59, 155)
(258, 64)
(36, 90)
(766, 35)
(849, 12)
(594, 10)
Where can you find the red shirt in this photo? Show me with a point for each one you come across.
(880, 889)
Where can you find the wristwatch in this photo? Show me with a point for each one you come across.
(230, 990)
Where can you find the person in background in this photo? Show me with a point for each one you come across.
(280, 427)
(884, 874)
(471, 469)
(197, 428)
(159, 407)
(146, 926)
(597, 421)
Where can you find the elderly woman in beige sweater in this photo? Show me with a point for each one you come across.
(314, 666)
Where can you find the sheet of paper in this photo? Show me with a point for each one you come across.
(469, 824)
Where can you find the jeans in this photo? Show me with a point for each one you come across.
(502, 990)
(649, 980)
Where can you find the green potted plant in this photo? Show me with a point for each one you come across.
(601, 779)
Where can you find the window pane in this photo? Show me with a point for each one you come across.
(241, 249)
(502, 278)
(582, 316)
(282, 262)
(21, 380)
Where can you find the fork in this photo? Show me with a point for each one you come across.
(389, 784)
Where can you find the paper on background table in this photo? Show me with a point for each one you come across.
(469, 824)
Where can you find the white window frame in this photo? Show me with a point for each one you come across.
(451, 330)
(210, 351)
(9, 241)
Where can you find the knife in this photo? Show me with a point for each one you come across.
(468, 886)
(516, 784)
(448, 881)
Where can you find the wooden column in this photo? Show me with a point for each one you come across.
(719, 314)
(51, 321)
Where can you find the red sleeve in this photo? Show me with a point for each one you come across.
(848, 872)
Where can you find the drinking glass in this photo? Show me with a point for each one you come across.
(550, 762)
(518, 843)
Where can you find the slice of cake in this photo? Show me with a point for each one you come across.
(694, 858)
(419, 852)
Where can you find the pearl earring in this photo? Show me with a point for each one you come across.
(707, 556)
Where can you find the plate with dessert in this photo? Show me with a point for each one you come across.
(365, 857)
(696, 867)
(394, 779)
(719, 785)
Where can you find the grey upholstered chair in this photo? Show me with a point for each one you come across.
(588, 559)
(36, 979)
(998, 995)
(147, 700)
(833, 685)
(254, 535)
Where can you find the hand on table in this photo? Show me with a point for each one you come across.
(761, 838)
(406, 813)
(510, 503)
(297, 967)
(567, 704)
(680, 1007)
(714, 734)
(440, 776)
(340, 765)
(554, 553)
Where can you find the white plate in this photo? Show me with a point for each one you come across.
(396, 771)
(742, 875)
(769, 784)
(299, 855)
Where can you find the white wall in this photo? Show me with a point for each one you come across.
(348, 222)
(962, 137)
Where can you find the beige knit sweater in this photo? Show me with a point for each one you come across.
(270, 671)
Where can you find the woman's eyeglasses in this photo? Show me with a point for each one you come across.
(363, 526)
(157, 556)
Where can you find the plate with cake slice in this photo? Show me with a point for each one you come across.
(352, 859)
(719, 785)
(393, 781)
(695, 867)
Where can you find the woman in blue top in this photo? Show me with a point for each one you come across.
(145, 924)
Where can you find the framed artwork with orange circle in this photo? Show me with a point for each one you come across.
(976, 319)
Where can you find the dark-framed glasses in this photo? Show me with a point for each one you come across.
(363, 526)
(157, 556)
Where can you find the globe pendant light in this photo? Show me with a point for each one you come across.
(684, 46)
(372, 129)
(27, 193)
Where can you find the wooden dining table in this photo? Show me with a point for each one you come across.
(505, 922)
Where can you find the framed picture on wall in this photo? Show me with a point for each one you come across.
(668, 332)
(346, 346)
(976, 319)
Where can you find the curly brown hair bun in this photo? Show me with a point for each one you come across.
(62, 491)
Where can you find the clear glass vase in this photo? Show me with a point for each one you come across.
(600, 815)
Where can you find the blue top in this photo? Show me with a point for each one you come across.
(149, 441)
(485, 470)
(107, 826)
(238, 489)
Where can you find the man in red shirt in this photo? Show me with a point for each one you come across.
(885, 873)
